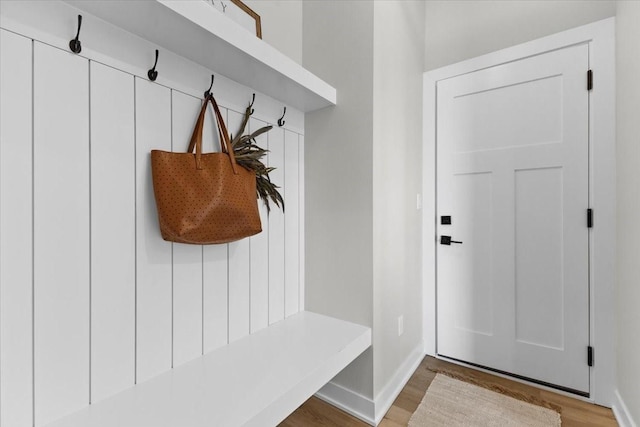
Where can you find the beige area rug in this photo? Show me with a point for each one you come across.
(450, 402)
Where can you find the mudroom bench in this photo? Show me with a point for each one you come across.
(255, 381)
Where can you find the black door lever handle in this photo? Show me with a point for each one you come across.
(446, 240)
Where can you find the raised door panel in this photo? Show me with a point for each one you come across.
(276, 229)
(61, 233)
(16, 291)
(187, 259)
(538, 257)
(153, 255)
(260, 253)
(470, 199)
(291, 225)
(113, 231)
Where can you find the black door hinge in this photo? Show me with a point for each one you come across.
(589, 218)
(590, 356)
(589, 80)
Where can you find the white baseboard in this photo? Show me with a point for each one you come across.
(392, 389)
(621, 412)
(349, 401)
(373, 411)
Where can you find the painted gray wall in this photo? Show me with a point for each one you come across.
(363, 166)
(281, 25)
(628, 203)
(459, 30)
(397, 179)
(338, 47)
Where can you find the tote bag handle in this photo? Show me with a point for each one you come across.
(196, 137)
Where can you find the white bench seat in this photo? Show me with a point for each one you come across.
(255, 381)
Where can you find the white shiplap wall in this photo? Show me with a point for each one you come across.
(92, 300)
(61, 237)
(16, 231)
(113, 231)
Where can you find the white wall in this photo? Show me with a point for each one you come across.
(338, 47)
(281, 22)
(397, 152)
(363, 173)
(628, 197)
(462, 29)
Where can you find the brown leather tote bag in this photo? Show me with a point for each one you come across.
(204, 198)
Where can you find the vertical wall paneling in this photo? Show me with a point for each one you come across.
(276, 229)
(153, 255)
(112, 231)
(239, 269)
(92, 300)
(61, 232)
(260, 253)
(16, 231)
(215, 297)
(291, 263)
(301, 258)
(187, 259)
(215, 266)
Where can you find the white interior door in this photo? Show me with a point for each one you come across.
(513, 176)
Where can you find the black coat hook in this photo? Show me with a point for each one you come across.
(74, 44)
(280, 121)
(253, 99)
(208, 92)
(153, 74)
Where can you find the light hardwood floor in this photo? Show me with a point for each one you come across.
(315, 412)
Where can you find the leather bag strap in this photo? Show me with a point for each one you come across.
(196, 137)
(218, 120)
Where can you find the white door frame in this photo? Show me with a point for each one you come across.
(602, 185)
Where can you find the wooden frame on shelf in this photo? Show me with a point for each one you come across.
(251, 13)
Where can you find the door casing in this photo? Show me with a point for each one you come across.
(600, 37)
